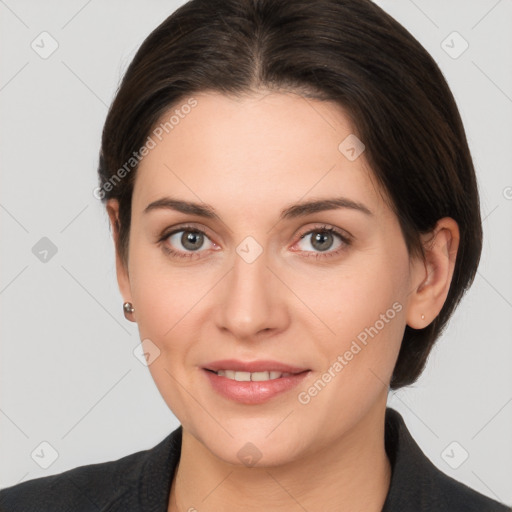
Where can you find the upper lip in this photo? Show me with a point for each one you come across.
(253, 366)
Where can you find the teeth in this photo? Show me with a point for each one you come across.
(248, 376)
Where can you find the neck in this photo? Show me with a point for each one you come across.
(352, 474)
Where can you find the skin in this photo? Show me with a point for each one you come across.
(250, 158)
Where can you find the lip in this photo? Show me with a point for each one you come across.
(253, 392)
(253, 366)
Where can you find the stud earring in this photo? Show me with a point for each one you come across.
(423, 317)
(128, 309)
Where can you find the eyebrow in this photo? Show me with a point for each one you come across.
(291, 212)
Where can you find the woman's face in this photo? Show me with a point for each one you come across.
(261, 284)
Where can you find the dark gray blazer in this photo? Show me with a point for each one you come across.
(140, 482)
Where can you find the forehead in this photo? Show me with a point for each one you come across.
(260, 149)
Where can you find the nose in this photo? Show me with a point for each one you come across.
(252, 300)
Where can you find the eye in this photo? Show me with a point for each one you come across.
(191, 240)
(322, 239)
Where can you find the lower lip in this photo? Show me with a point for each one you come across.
(253, 392)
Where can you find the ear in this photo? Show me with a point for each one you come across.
(123, 279)
(432, 278)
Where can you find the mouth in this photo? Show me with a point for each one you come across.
(258, 366)
(253, 382)
(242, 376)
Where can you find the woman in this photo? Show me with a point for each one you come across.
(296, 217)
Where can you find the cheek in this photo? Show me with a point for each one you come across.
(355, 297)
(164, 299)
(364, 307)
(163, 294)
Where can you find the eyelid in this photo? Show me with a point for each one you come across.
(343, 234)
(166, 233)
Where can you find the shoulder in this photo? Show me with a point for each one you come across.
(81, 488)
(455, 496)
(92, 487)
(418, 485)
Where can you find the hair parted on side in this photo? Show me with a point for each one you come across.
(347, 51)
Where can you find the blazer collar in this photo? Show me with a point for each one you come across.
(411, 486)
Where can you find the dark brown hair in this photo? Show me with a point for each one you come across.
(348, 51)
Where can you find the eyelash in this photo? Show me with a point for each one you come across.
(346, 240)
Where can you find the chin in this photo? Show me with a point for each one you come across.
(255, 443)
(258, 454)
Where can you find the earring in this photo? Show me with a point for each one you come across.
(128, 309)
(423, 317)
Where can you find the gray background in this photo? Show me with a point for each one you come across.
(68, 373)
